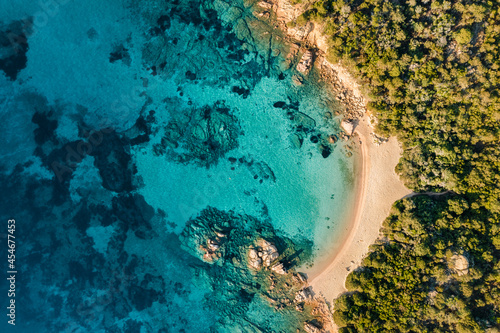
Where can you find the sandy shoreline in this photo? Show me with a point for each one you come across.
(361, 165)
(377, 185)
(378, 188)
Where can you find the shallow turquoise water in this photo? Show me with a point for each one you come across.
(123, 123)
(299, 201)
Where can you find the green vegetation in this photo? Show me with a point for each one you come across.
(408, 282)
(432, 70)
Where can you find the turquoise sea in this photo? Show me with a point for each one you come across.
(147, 147)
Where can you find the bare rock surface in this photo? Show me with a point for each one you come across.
(459, 264)
(305, 62)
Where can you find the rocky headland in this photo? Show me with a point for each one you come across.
(250, 260)
(266, 23)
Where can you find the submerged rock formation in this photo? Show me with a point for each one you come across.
(202, 135)
(249, 265)
(14, 46)
(282, 14)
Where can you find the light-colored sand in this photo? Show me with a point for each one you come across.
(378, 188)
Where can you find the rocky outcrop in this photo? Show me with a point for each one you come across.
(348, 126)
(459, 264)
(262, 255)
(305, 63)
(248, 259)
(311, 36)
(254, 261)
(206, 134)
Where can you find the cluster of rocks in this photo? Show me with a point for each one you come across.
(305, 127)
(254, 23)
(203, 135)
(377, 139)
(348, 126)
(211, 247)
(259, 170)
(308, 39)
(257, 25)
(254, 262)
(263, 255)
(354, 106)
(305, 63)
(182, 31)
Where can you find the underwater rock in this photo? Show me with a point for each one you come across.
(310, 328)
(267, 252)
(136, 214)
(231, 15)
(296, 140)
(120, 52)
(46, 127)
(14, 47)
(304, 294)
(332, 139)
(249, 260)
(206, 236)
(241, 30)
(241, 91)
(459, 264)
(265, 4)
(284, 65)
(113, 161)
(224, 35)
(206, 134)
(278, 268)
(301, 119)
(297, 80)
(280, 104)
(141, 130)
(254, 261)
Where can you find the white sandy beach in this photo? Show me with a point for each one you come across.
(378, 188)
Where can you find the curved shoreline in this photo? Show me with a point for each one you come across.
(377, 189)
(355, 218)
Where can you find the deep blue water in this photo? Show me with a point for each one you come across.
(134, 134)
